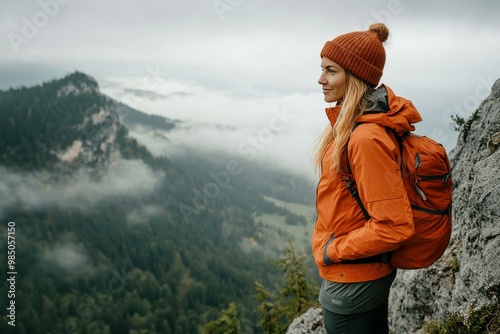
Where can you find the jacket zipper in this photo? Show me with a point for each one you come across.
(326, 260)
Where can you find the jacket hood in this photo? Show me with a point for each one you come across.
(387, 110)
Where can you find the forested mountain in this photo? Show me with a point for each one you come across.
(112, 239)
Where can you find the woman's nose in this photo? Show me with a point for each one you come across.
(321, 79)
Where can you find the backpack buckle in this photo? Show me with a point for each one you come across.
(350, 185)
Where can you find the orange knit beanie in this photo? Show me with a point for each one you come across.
(360, 52)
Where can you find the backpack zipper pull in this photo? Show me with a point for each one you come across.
(419, 191)
(418, 162)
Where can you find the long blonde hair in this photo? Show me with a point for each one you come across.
(353, 104)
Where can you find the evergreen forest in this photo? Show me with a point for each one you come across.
(110, 239)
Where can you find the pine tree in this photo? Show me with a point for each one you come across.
(270, 311)
(296, 296)
(298, 293)
(228, 323)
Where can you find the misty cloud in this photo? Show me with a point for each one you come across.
(67, 256)
(34, 191)
(235, 72)
(281, 136)
(142, 215)
(151, 95)
(144, 93)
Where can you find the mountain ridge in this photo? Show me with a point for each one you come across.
(89, 201)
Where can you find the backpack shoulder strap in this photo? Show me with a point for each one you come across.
(351, 186)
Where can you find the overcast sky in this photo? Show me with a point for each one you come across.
(242, 62)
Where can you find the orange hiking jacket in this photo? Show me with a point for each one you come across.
(341, 231)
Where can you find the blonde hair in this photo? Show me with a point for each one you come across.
(353, 104)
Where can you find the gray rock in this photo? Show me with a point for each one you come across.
(468, 275)
(310, 322)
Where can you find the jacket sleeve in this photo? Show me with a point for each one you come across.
(374, 163)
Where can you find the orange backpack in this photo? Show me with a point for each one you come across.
(426, 173)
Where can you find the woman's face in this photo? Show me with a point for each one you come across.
(332, 80)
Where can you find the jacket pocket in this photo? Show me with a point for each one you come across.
(326, 260)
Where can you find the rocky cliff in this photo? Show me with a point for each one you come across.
(468, 274)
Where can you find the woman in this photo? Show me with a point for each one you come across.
(360, 142)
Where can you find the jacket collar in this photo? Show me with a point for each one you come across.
(400, 115)
(389, 110)
(333, 114)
